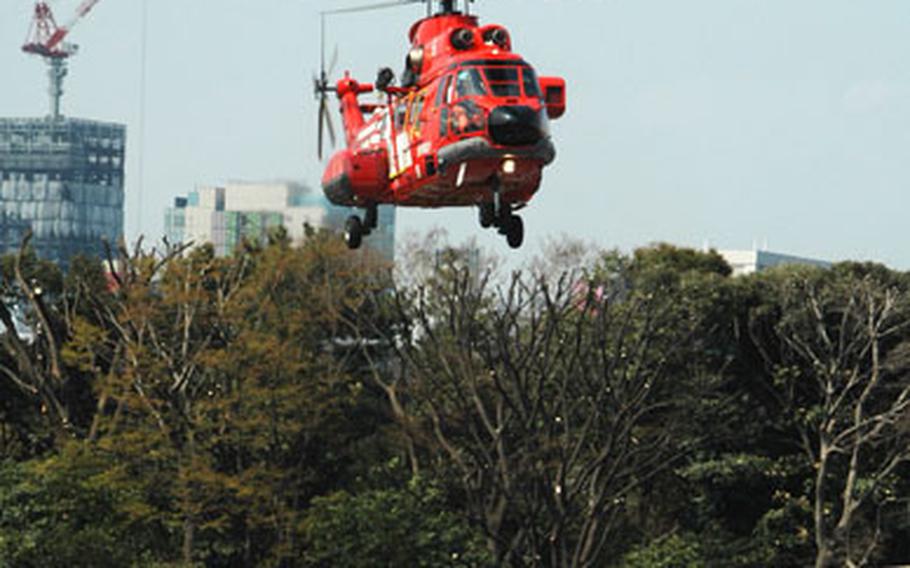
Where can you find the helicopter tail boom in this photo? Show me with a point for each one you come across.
(348, 90)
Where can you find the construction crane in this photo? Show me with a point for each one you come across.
(45, 38)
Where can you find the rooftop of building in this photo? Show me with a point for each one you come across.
(253, 196)
(24, 136)
(62, 122)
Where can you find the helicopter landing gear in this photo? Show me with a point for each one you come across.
(513, 228)
(353, 232)
(487, 215)
(498, 214)
(370, 219)
(355, 229)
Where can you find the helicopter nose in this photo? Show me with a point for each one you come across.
(515, 126)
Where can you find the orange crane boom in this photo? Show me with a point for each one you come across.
(61, 32)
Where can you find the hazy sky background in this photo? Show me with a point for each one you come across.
(720, 121)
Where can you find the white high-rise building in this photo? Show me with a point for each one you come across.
(226, 215)
(751, 261)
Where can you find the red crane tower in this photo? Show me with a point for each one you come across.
(45, 38)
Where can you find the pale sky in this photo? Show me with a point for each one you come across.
(730, 122)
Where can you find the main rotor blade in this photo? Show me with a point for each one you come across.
(322, 46)
(333, 61)
(368, 7)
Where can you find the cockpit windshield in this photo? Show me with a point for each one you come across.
(503, 81)
(496, 78)
(469, 83)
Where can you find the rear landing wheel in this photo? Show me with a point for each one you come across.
(370, 219)
(514, 229)
(353, 232)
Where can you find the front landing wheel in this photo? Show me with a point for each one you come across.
(353, 232)
(515, 231)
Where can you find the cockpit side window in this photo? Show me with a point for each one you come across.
(401, 111)
(532, 87)
(503, 81)
(469, 83)
(441, 94)
(415, 110)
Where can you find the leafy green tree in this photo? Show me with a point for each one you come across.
(220, 394)
(411, 526)
(640, 409)
(229, 370)
(673, 551)
(668, 259)
(69, 510)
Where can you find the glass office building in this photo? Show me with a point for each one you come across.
(63, 180)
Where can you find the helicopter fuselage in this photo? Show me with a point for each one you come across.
(468, 126)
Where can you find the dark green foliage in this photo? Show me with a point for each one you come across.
(670, 259)
(69, 510)
(674, 551)
(410, 526)
(293, 406)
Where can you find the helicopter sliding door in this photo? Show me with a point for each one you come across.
(399, 144)
(396, 137)
(406, 131)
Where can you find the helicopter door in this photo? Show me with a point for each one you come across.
(406, 133)
(397, 137)
(415, 131)
(442, 105)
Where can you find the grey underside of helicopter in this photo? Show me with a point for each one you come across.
(340, 191)
(479, 148)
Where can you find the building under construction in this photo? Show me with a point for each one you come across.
(62, 178)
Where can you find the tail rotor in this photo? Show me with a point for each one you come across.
(321, 90)
(325, 118)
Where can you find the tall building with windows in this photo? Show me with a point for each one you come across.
(63, 180)
(226, 215)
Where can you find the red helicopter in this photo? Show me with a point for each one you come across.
(467, 125)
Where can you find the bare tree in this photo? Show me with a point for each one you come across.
(836, 347)
(32, 339)
(552, 405)
(561, 254)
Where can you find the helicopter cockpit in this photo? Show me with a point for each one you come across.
(497, 78)
(502, 97)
